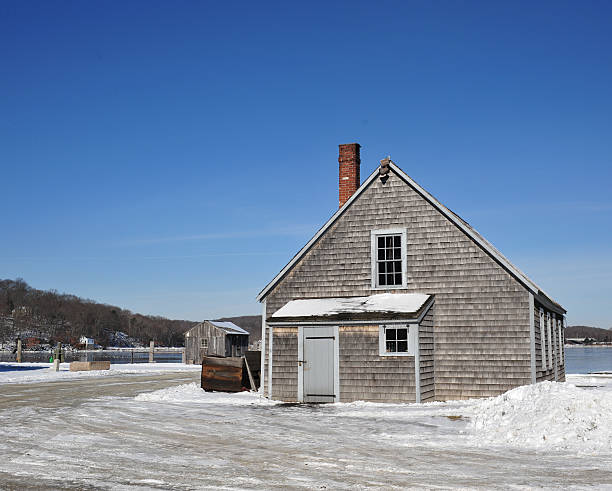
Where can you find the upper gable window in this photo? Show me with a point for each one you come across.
(388, 258)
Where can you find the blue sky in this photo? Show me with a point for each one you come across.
(171, 157)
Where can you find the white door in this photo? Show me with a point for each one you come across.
(318, 364)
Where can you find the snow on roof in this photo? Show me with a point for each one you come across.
(397, 303)
(229, 327)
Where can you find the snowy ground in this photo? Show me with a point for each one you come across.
(160, 431)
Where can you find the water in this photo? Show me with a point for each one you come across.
(105, 355)
(588, 359)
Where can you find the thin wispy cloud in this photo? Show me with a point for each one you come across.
(551, 207)
(144, 258)
(294, 230)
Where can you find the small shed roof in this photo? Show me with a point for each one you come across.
(380, 306)
(229, 327)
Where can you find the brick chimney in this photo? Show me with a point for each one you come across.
(350, 161)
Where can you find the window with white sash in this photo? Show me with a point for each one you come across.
(543, 339)
(388, 256)
(561, 344)
(398, 340)
(549, 339)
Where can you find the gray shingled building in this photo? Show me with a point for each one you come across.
(214, 338)
(398, 299)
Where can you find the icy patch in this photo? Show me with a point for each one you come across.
(547, 416)
(192, 393)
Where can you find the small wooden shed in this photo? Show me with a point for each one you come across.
(214, 338)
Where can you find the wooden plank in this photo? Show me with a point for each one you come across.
(83, 366)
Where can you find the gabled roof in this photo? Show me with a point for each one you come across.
(454, 218)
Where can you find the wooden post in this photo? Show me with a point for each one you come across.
(132, 351)
(18, 350)
(184, 357)
(56, 358)
(151, 348)
(253, 386)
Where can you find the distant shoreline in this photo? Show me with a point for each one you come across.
(608, 345)
(112, 350)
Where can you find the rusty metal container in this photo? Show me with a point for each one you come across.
(222, 374)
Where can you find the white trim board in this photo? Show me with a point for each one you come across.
(271, 331)
(262, 371)
(417, 364)
(300, 381)
(461, 224)
(532, 349)
(337, 363)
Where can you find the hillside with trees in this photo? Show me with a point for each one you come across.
(596, 333)
(53, 317)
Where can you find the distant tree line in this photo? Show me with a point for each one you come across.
(59, 317)
(596, 333)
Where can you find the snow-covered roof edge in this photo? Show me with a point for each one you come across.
(405, 303)
(354, 310)
(226, 326)
(454, 218)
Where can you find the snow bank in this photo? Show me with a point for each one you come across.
(547, 416)
(193, 394)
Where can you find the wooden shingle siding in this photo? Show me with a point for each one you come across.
(481, 320)
(367, 376)
(266, 357)
(426, 350)
(284, 364)
(193, 347)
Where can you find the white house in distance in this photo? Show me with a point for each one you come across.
(87, 342)
(396, 298)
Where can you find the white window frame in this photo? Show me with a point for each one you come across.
(543, 338)
(204, 343)
(374, 234)
(412, 337)
(549, 339)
